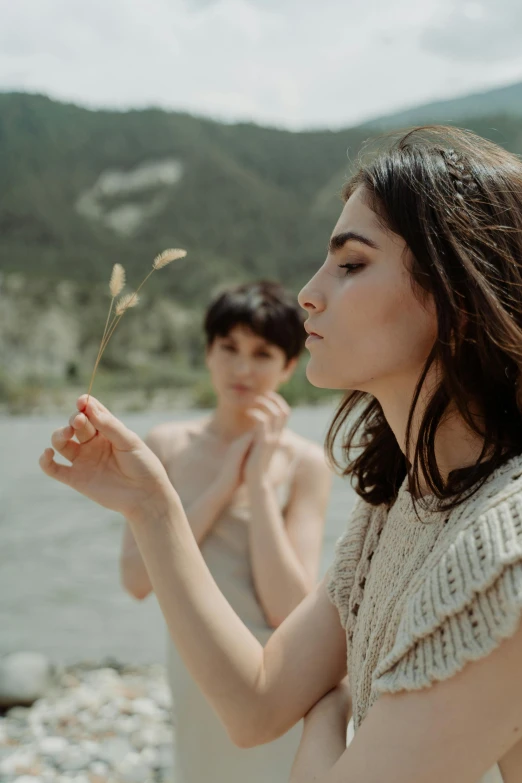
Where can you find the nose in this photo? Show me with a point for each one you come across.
(311, 298)
(242, 366)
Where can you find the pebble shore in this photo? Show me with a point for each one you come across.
(97, 724)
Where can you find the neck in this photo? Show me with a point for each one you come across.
(456, 445)
(229, 422)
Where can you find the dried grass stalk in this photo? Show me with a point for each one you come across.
(117, 282)
(173, 254)
(125, 302)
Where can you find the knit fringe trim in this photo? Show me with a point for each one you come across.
(348, 551)
(469, 602)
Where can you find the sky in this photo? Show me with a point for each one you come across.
(289, 63)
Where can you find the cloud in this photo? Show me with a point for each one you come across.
(477, 31)
(281, 62)
(262, 5)
(197, 4)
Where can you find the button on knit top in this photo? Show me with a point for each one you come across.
(420, 594)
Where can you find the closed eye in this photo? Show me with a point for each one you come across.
(350, 268)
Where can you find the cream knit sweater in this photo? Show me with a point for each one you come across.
(419, 598)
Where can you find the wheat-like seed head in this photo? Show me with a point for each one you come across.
(173, 254)
(126, 301)
(117, 280)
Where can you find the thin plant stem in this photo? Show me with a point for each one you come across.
(108, 332)
(100, 349)
(117, 318)
(105, 329)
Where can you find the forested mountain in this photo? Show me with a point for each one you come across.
(488, 103)
(82, 189)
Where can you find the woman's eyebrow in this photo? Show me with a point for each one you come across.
(339, 240)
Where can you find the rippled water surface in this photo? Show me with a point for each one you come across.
(59, 584)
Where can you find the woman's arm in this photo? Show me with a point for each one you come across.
(201, 514)
(133, 574)
(455, 730)
(323, 740)
(258, 693)
(285, 553)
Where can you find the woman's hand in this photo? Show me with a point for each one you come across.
(271, 413)
(109, 464)
(231, 475)
(337, 702)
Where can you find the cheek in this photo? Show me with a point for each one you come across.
(408, 322)
(393, 313)
(383, 327)
(268, 374)
(216, 365)
(387, 301)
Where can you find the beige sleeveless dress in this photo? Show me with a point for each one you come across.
(202, 749)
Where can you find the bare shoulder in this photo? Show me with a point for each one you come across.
(170, 438)
(311, 486)
(308, 455)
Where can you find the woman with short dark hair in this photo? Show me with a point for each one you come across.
(255, 494)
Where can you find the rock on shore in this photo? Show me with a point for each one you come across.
(97, 724)
(24, 678)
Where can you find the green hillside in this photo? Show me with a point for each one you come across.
(243, 204)
(499, 101)
(83, 189)
(245, 201)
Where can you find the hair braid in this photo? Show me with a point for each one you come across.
(461, 178)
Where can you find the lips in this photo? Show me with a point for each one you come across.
(312, 334)
(313, 338)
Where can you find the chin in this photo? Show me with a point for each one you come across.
(320, 379)
(325, 380)
(243, 400)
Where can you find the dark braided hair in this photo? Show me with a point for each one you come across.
(461, 177)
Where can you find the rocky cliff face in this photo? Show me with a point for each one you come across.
(40, 333)
(136, 195)
(50, 334)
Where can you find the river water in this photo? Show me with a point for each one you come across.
(59, 585)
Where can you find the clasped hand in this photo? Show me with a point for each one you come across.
(248, 458)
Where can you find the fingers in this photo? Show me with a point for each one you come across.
(281, 402)
(54, 469)
(271, 411)
(105, 423)
(266, 421)
(83, 429)
(241, 445)
(261, 417)
(268, 406)
(61, 440)
(245, 440)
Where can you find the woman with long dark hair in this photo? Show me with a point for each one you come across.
(417, 311)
